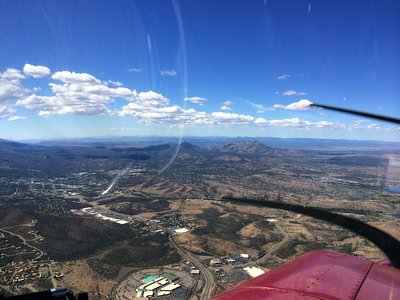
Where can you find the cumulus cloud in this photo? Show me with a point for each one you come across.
(6, 111)
(11, 87)
(168, 73)
(364, 125)
(60, 105)
(283, 77)
(225, 107)
(36, 71)
(84, 94)
(116, 83)
(149, 98)
(195, 100)
(78, 93)
(12, 74)
(16, 118)
(72, 77)
(228, 103)
(231, 118)
(278, 106)
(302, 104)
(293, 93)
(174, 115)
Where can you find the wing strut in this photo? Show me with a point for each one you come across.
(358, 113)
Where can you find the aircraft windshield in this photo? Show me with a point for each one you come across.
(126, 127)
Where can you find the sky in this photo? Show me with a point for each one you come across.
(198, 68)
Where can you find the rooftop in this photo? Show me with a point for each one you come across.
(169, 276)
(148, 279)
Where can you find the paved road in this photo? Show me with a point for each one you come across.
(208, 278)
(276, 247)
(41, 253)
(53, 280)
(189, 256)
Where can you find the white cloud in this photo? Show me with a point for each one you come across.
(72, 77)
(261, 121)
(299, 123)
(150, 99)
(173, 115)
(11, 87)
(302, 104)
(16, 118)
(176, 116)
(228, 103)
(116, 83)
(82, 93)
(195, 100)
(293, 93)
(278, 106)
(168, 73)
(12, 74)
(283, 77)
(79, 93)
(36, 71)
(59, 105)
(6, 111)
(260, 108)
(364, 125)
(135, 70)
(231, 118)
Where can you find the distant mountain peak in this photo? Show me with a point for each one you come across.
(186, 145)
(246, 147)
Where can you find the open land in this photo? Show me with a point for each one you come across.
(101, 217)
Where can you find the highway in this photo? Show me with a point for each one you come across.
(208, 278)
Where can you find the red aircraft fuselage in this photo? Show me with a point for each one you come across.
(322, 275)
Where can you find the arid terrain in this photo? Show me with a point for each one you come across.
(90, 217)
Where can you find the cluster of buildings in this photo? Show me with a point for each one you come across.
(241, 259)
(160, 285)
(36, 236)
(23, 272)
(175, 220)
(12, 248)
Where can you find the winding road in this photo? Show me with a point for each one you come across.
(208, 278)
(41, 253)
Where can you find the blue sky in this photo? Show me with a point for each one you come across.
(125, 68)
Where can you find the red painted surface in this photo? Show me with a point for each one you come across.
(322, 275)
